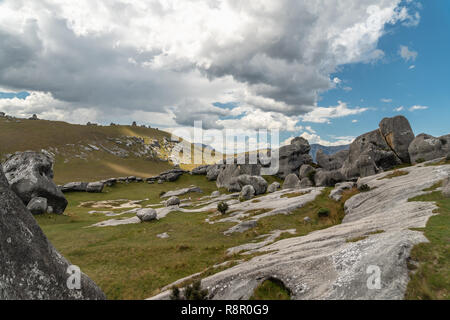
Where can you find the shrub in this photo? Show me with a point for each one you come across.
(312, 176)
(222, 207)
(364, 188)
(162, 193)
(191, 292)
(323, 213)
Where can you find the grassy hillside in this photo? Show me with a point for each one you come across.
(75, 160)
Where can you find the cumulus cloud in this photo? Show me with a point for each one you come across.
(401, 108)
(407, 54)
(323, 115)
(385, 100)
(149, 57)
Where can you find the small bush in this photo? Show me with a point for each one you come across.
(222, 207)
(191, 292)
(162, 193)
(312, 176)
(420, 160)
(324, 213)
(364, 188)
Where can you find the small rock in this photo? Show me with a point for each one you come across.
(307, 219)
(215, 194)
(446, 188)
(291, 181)
(173, 201)
(273, 187)
(147, 214)
(163, 235)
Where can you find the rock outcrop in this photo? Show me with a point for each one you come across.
(273, 187)
(293, 156)
(30, 175)
(229, 173)
(398, 135)
(30, 267)
(146, 214)
(425, 147)
(446, 187)
(331, 162)
(369, 154)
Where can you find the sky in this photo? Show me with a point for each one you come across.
(326, 70)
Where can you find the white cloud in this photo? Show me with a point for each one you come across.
(386, 100)
(323, 115)
(412, 67)
(148, 57)
(415, 108)
(314, 138)
(355, 121)
(407, 54)
(401, 108)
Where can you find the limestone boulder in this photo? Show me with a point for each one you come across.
(291, 182)
(30, 175)
(426, 147)
(146, 214)
(398, 135)
(293, 156)
(30, 267)
(273, 187)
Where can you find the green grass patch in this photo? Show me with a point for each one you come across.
(271, 289)
(430, 275)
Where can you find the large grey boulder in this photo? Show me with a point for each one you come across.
(146, 214)
(213, 172)
(247, 193)
(74, 187)
(38, 206)
(227, 175)
(293, 156)
(257, 182)
(95, 187)
(331, 162)
(30, 175)
(398, 135)
(425, 147)
(325, 178)
(30, 267)
(369, 154)
(291, 182)
(306, 183)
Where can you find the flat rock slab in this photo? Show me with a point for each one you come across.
(324, 265)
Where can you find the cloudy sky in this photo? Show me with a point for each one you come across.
(328, 70)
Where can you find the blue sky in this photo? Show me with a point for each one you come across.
(428, 84)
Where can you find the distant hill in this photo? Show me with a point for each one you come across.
(327, 150)
(89, 152)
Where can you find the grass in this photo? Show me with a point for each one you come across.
(130, 262)
(396, 173)
(440, 163)
(430, 274)
(271, 289)
(357, 239)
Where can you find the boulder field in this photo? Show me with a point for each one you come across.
(328, 264)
